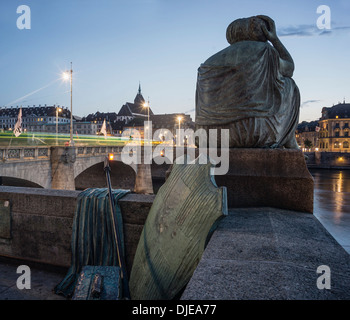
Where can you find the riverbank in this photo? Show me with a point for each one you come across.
(328, 160)
(314, 166)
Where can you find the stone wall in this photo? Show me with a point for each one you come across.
(41, 224)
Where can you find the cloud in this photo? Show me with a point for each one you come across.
(304, 30)
(308, 102)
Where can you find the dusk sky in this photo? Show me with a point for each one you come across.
(116, 44)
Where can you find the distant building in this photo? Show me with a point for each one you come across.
(334, 135)
(331, 133)
(307, 135)
(43, 119)
(161, 122)
(130, 111)
(172, 122)
(33, 118)
(99, 117)
(80, 128)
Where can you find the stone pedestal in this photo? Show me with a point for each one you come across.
(268, 178)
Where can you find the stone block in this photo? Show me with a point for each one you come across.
(268, 178)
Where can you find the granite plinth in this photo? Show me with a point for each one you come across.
(276, 178)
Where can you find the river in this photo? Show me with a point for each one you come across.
(332, 203)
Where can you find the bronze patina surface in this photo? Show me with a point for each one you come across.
(175, 233)
(248, 88)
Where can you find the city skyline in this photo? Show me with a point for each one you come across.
(115, 45)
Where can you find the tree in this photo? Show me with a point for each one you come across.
(307, 144)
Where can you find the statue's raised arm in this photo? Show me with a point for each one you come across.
(247, 88)
(286, 60)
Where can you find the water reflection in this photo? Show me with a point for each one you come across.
(332, 202)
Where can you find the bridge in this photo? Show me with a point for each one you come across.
(71, 168)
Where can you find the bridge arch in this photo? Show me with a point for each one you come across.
(36, 172)
(83, 163)
(18, 182)
(122, 176)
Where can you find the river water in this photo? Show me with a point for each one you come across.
(332, 203)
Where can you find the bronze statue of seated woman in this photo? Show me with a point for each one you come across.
(248, 88)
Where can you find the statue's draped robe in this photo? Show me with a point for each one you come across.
(241, 89)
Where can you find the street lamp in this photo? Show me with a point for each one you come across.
(68, 75)
(179, 118)
(146, 105)
(58, 109)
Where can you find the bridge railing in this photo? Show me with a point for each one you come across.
(21, 154)
(30, 153)
(96, 150)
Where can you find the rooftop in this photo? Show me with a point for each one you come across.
(341, 110)
(40, 111)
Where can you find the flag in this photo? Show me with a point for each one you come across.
(103, 129)
(18, 126)
(318, 129)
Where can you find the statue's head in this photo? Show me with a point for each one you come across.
(246, 29)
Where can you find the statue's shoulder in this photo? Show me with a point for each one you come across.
(235, 52)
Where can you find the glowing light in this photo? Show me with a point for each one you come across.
(65, 76)
(111, 156)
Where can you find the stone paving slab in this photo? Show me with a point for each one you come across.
(269, 254)
(42, 282)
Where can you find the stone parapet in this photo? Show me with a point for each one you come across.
(41, 224)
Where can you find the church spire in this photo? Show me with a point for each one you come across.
(139, 98)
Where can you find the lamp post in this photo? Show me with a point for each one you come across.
(58, 109)
(66, 76)
(146, 105)
(179, 118)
